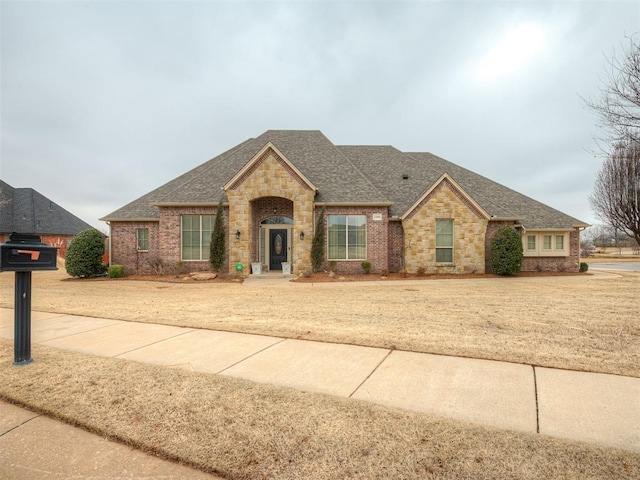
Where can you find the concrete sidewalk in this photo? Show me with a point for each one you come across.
(597, 408)
(34, 447)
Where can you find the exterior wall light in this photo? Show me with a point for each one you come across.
(301, 236)
(237, 234)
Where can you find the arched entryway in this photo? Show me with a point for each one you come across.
(274, 246)
(272, 227)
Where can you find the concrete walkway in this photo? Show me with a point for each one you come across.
(591, 407)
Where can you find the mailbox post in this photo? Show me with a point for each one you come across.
(23, 254)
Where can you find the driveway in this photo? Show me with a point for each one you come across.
(626, 266)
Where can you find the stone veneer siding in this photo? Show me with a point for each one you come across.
(377, 239)
(269, 176)
(469, 228)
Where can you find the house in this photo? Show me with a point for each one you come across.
(394, 209)
(24, 210)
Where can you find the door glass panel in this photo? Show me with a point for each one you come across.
(278, 245)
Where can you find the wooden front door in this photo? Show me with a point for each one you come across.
(277, 248)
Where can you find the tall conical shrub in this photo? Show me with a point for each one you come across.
(317, 246)
(217, 248)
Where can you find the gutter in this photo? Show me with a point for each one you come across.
(353, 204)
(134, 219)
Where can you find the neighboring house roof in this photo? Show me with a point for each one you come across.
(346, 175)
(24, 210)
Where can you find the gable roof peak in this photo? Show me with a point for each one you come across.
(258, 158)
(446, 179)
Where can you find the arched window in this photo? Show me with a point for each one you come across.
(275, 220)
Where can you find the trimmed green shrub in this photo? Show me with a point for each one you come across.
(217, 249)
(116, 271)
(317, 245)
(366, 266)
(506, 252)
(584, 266)
(84, 257)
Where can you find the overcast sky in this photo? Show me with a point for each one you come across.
(102, 101)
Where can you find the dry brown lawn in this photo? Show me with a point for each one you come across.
(243, 430)
(582, 322)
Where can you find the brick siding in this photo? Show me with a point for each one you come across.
(396, 246)
(377, 240)
(569, 263)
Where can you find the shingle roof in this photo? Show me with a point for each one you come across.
(346, 174)
(500, 201)
(24, 210)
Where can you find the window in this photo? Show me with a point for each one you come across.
(196, 236)
(545, 244)
(531, 242)
(347, 237)
(142, 236)
(444, 240)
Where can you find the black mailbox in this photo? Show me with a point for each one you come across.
(25, 253)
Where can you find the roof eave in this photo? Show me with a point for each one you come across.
(505, 219)
(186, 204)
(353, 204)
(131, 219)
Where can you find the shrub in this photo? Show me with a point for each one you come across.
(217, 248)
(366, 266)
(157, 266)
(116, 271)
(84, 257)
(384, 272)
(421, 271)
(317, 245)
(584, 266)
(506, 252)
(181, 268)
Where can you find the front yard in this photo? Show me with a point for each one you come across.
(241, 430)
(582, 322)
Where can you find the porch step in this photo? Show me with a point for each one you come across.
(267, 278)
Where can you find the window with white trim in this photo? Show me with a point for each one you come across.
(142, 239)
(546, 244)
(444, 240)
(196, 236)
(347, 237)
(531, 243)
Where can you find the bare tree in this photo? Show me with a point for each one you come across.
(616, 195)
(619, 104)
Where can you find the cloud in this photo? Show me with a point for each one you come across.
(104, 101)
